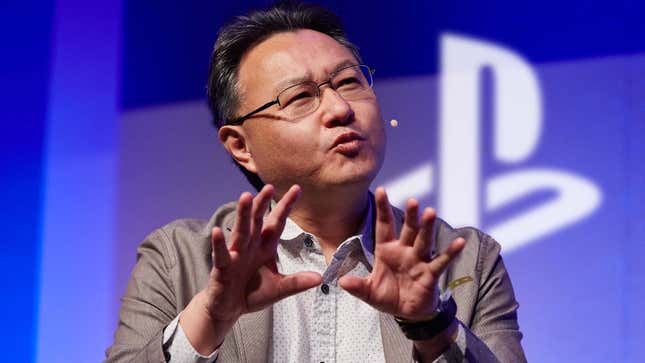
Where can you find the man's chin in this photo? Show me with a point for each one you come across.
(354, 177)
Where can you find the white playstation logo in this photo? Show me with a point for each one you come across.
(516, 133)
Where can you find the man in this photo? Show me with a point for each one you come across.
(314, 267)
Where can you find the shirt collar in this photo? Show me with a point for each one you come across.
(366, 236)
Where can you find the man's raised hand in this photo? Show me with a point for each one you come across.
(403, 281)
(244, 277)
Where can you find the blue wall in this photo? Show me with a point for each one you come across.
(24, 75)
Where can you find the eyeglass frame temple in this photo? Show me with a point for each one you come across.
(241, 119)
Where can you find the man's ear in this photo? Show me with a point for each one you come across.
(234, 140)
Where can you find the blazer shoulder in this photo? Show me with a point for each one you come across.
(223, 214)
(189, 236)
(476, 240)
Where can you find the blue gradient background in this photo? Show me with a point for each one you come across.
(81, 81)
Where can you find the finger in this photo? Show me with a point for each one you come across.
(242, 229)
(298, 282)
(260, 204)
(384, 218)
(356, 286)
(274, 224)
(411, 225)
(425, 239)
(439, 264)
(220, 255)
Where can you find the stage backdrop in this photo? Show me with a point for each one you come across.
(527, 121)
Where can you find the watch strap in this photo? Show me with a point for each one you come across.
(440, 320)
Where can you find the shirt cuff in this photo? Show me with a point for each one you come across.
(456, 349)
(177, 347)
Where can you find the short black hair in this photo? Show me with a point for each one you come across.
(241, 33)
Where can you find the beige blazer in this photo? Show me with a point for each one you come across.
(173, 264)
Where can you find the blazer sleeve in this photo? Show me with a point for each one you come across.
(147, 306)
(494, 334)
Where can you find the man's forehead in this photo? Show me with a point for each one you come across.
(287, 58)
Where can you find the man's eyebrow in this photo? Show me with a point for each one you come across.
(343, 64)
(282, 85)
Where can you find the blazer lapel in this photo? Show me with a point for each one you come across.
(396, 347)
(250, 340)
(253, 336)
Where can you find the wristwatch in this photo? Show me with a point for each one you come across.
(439, 321)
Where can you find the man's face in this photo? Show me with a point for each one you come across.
(308, 151)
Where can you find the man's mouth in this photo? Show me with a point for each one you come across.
(348, 143)
(347, 138)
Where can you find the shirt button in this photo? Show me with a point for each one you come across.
(324, 288)
(308, 242)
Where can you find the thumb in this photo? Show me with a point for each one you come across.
(298, 282)
(356, 286)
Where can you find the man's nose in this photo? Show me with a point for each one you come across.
(336, 110)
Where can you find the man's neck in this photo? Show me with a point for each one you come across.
(332, 217)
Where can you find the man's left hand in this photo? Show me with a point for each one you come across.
(404, 278)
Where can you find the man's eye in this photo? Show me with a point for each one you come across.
(299, 98)
(348, 82)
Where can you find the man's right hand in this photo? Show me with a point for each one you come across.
(244, 277)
